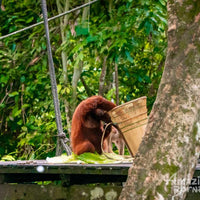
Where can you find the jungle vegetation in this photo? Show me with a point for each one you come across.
(88, 47)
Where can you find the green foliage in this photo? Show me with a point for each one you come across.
(133, 36)
(128, 33)
(26, 110)
(90, 158)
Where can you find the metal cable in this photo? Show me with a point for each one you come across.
(53, 81)
(55, 17)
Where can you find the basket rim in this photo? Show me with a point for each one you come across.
(143, 97)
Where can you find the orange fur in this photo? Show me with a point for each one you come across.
(86, 130)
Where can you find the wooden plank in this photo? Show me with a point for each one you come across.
(69, 174)
(40, 170)
(27, 171)
(33, 167)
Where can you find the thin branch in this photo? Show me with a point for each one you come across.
(22, 103)
(102, 77)
(7, 93)
(116, 84)
(87, 89)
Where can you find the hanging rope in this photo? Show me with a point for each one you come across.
(61, 135)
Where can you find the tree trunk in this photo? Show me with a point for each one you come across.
(103, 76)
(63, 6)
(116, 84)
(85, 15)
(76, 77)
(87, 89)
(78, 68)
(166, 159)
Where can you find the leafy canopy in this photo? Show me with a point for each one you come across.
(130, 34)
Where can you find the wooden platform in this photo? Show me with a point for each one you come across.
(74, 180)
(40, 170)
(72, 176)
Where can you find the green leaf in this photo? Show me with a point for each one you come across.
(129, 58)
(30, 20)
(163, 2)
(91, 38)
(2, 105)
(16, 113)
(148, 27)
(25, 105)
(161, 18)
(13, 94)
(44, 46)
(4, 79)
(8, 158)
(22, 79)
(24, 128)
(81, 31)
(23, 134)
(20, 122)
(13, 47)
(59, 88)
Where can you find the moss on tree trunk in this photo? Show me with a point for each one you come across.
(166, 160)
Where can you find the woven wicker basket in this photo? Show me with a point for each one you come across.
(131, 119)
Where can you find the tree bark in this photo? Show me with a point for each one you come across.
(63, 6)
(103, 76)
(78, 68)
(75, 79)
(85, 15)
(87, 89)
(116, 84)
(168, 154)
